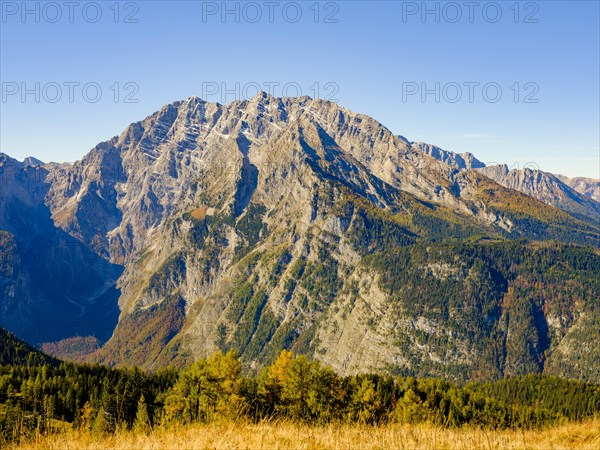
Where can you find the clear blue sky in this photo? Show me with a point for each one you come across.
(374, 54)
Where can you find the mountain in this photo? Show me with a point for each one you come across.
(32, 162)
(578, 196)
(52, 285)
(586, 186)
(455, 160)
(295, 223)
(17, 352)
(549, 188)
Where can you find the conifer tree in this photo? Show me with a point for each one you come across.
(142, 419)
(102, 424)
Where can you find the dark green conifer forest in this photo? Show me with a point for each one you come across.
(39, 394)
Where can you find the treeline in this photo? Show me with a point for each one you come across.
(16, 351)
(573, 399)
(40, 399)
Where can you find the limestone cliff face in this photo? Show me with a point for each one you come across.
(549, 188)
(456, 160)
(56, 285)
(259, 225)
(587, 186)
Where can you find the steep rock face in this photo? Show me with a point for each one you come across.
(546, 187)
(456, 160)
(259, 258)
(127, 187)
(586, 186)
(32, 162)
(578, 196)
(464, 311)
(56, 286)
(258, 225)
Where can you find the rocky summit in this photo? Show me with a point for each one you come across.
(295, 223)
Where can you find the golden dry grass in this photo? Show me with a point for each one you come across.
(585, 435)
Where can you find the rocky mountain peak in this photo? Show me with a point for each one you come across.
(30, 161)
(258, 225)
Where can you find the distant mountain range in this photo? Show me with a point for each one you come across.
(295, 223)
(586, 186)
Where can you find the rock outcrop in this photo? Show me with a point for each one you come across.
(274, 223)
